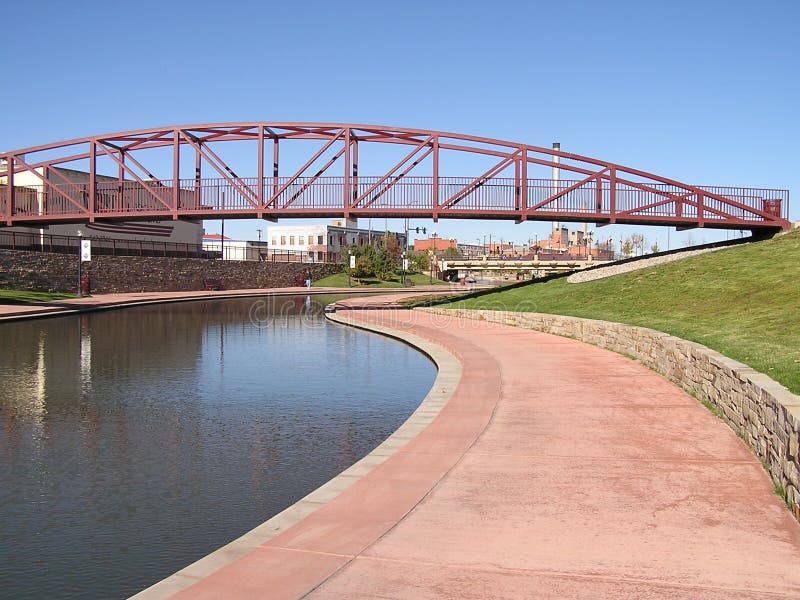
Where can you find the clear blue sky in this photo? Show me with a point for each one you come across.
(702, 91)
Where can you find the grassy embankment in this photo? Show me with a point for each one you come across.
(23, 297)
(743, 302)
(340, 280)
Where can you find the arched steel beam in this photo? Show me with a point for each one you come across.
(603, 192)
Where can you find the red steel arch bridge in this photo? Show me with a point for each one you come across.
(283, 170)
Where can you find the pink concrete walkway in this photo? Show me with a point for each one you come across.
(556, 470)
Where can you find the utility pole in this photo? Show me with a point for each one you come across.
(556, 183)
(222, 235)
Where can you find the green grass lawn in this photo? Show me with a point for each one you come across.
(743, 302)
(23, 297)
(340, 280)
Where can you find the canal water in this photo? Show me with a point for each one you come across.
(135, 441)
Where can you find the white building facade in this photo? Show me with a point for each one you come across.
(230, 249)
(322, 243)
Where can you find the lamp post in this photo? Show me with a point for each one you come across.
(405, 257)
(80, 261)
(349, 266)
(434, 235)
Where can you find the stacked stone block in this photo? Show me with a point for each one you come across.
(45, 272)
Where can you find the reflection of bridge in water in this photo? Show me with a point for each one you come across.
(317, 170)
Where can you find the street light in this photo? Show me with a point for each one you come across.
(349, 266)
(434, 235)
(80, 261)
(405, 254)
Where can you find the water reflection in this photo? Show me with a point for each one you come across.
(133, 442)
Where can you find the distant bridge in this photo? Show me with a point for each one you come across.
(163, 173)
(533, 265)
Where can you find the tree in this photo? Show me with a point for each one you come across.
(384, 264)
(638, 241)
(654, 248)
(363, 267)
(371, 261)
(627, 247)
(392, 245)
(364, 263)
(418, 262)
(452, 252)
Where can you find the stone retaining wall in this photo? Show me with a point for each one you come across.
(760, 410)
(45, 272)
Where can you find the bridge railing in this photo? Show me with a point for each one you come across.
(457, 196)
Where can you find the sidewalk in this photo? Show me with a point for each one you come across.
(555, 470)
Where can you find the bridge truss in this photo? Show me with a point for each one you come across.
(316, 170)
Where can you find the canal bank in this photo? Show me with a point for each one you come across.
(554, 470)
(11, 312)
(137, 441)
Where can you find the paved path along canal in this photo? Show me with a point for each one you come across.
(556, 470)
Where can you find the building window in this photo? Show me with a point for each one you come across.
(302, 240)
(283, 240)
(291, 240)
(273, 242)
(319, 240)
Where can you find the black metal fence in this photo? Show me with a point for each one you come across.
(66, 244)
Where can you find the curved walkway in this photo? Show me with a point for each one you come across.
(555, 470)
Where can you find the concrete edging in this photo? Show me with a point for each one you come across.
(449, 373)
(762, 412)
